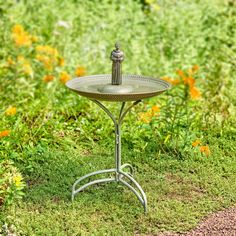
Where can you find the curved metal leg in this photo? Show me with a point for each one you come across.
(74, 191)
(131, 168)
(119, 174)
(142, 198)
(105, 180)
(93, 173)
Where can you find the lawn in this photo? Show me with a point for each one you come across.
(181, 143)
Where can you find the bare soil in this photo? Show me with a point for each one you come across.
(222, 223)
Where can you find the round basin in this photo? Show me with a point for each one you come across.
(139, 87)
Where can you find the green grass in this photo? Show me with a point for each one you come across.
(56, 136)
(180, 192)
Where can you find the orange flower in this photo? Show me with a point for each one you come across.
(10, 111)
(171, 81)
(195, 93)
(180, 73)
(80, 71)
(20, 36)
(64, 77)
(196, 143)
(190, 81)
(205, 150)
(193, 70)
(48, 78)
(155, 108)
(4, 133)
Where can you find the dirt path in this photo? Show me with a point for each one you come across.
(222, 223)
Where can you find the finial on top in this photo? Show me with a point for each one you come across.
(117, 56)
(117, 46)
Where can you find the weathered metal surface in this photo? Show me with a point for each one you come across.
(119, 88)
(142, 87)
(117, 56)
(119, 175)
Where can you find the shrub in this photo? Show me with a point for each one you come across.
(11, 183)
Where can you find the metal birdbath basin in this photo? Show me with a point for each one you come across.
(116, 87)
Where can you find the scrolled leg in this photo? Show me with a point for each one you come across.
(131, 169)
(141, 196)
(119, 171)
(104, 180)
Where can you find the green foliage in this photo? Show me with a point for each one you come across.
(46, 129)
(180, 192)
(11, 184)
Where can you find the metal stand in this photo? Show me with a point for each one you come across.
(119, 174)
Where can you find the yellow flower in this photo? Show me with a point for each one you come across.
(17, 29)
(205, 150)
(61, 61)
(20, 36)
(196, 143)
(146, 117)
(46, 61)
(171, 81)
(167, 79)
(48, 78)
(40, 57)
(47, 55)
(156, 7)
(10, 61)
(64, 77)
(195, 93)
(10, 111)
(22, 40)
(25, 65)
(4, 133)
(18, 180)
(34, 39)
(21, 59)
(27, 69)
(80, 71)
(175, 81)
(46, 50)
(149, 1)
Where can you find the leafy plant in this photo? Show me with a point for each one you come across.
(11, 184)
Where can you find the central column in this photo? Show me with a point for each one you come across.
(118, 150)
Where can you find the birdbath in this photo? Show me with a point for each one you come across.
(120, 88)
